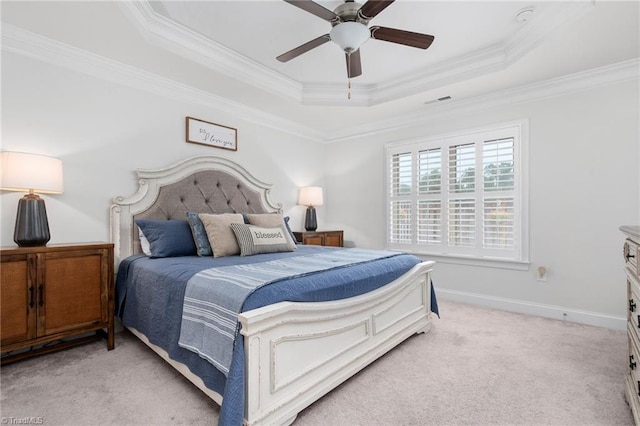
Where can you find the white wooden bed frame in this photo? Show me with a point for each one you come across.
(294, 352)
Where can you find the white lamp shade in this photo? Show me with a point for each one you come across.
(30, 172)
(350, 35)
(310, 196)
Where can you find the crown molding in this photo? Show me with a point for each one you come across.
(453, 71)
(450, 72)
(174, 37)
(328, 94)
(491, 59)
(25, 43)
(182, 41)
(584, 80)
(22, 42)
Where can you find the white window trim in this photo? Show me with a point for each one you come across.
(522, 158)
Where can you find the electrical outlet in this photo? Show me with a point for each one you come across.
(541, 273)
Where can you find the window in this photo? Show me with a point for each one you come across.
(460, 195)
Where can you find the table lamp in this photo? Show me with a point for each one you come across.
(310, 196)
(31, 173)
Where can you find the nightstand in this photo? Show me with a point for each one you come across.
(321, 238)
(53, 293)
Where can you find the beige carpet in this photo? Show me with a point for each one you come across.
(476, 367)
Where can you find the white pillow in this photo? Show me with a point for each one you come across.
(144, 243)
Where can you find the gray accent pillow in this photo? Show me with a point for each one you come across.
(199, 235)
(221, 237)
(256, 240)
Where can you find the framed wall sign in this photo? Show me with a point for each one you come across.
(211, 134)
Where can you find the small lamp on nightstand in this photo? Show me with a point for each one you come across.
(31, 173)
(310, 196)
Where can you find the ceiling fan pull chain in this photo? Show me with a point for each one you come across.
(349, 75)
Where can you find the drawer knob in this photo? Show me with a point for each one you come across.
(626, 251)
(632, 362)
(632, 305)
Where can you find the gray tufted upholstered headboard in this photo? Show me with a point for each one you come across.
(210, 191)
(199, 184)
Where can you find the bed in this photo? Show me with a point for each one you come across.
(292, 346)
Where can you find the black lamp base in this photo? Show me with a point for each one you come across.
(310, 221)
(32, 226)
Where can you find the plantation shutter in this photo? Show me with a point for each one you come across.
(400, 226)
(458, 195)
(498, 220)
(429, 214)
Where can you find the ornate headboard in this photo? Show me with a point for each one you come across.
(204, 184)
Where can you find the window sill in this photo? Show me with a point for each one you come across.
(486, 262)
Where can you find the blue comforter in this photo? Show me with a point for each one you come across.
(150, 295)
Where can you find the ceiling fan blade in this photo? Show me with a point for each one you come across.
(315, 9)
(408, 38)
(354, 66)
(293, 53)
(371, 8)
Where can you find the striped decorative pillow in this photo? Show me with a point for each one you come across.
(255, 239)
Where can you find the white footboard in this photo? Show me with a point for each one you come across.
(297, 352)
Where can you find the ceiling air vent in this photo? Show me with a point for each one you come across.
(445, 98)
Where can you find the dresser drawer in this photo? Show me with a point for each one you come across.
(633, 303)
(634, 366)
(631, 253)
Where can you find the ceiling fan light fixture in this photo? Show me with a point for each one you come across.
(350, 35)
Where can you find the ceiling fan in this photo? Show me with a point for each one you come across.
(349, 31)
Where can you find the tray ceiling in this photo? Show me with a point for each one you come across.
(223, 54)
(471, 39)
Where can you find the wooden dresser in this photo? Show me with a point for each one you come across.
(53, 293)
(321, 238)
(631, 253)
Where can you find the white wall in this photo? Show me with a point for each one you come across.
(104, 131)
(584, 183)
(587, 140)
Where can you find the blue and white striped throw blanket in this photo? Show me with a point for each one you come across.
(214, 297)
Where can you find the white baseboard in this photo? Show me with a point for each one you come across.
(537, 309)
